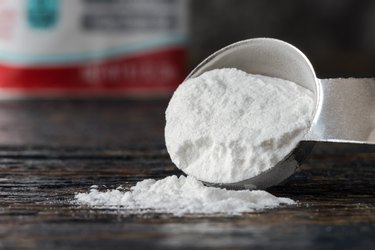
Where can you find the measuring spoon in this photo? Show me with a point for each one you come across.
(344, 108)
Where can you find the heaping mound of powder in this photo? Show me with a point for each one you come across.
(182, 195)
(226, 125)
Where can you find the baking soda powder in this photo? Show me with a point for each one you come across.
(222, 127)
(181, 195)
(226, 125)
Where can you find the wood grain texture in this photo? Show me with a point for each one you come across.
(65, 147)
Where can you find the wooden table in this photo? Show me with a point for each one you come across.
(53, 149)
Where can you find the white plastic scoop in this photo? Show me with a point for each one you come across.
(344, 108)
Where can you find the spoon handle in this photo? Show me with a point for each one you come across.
(346, 111)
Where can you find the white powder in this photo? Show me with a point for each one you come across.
(223, 126)
(226, 125)
(181, 195)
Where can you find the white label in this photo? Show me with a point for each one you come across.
(36, 32)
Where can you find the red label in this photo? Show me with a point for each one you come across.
(158, 71)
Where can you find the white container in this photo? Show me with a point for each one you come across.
(91, 47)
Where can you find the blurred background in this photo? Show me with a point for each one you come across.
(338, 36)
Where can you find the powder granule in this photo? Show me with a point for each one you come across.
(227, 125)
(180, 196)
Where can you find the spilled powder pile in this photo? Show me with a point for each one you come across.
(179, 196)
(226, 125)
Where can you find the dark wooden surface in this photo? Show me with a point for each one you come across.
(51, 149)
